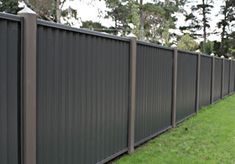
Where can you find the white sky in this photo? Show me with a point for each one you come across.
(95, 10)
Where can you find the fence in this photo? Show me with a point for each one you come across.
(90, 97)
(10, 31)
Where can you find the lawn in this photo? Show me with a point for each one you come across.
(208, 137)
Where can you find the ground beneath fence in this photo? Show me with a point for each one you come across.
(208, 137)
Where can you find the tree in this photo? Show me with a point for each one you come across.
(96, 26)
(187, 43)
(228, 12)
(208, 47)
(121, 13)
(52, 10)
(196, 24)
(9, 6)
(149, 21)
(159, 19)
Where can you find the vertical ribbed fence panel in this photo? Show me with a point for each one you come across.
(154, 91)
(226, 77)
(10, 31)
(186, 85)
(217, 78)
(205, 80)
(82, 95)
(232, 79)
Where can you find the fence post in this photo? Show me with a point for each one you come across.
(174, 88)
(212, 79)
(229, 80)
(198, 81)
(29, 85)
(132, 106)
(222, 79)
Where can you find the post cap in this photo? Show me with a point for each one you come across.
(131, 35)
(26, 10)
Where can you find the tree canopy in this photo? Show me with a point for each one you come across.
(152, 21)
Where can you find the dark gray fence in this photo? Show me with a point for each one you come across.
(232, 77)
(218, 78)
(82, 95)
(186, 85)
(10, 30)
(205, 80)
(85, 90)
(153, 91)
(226, 78)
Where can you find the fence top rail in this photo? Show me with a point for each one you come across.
(10, 17)
(154, 45)
(78, 30)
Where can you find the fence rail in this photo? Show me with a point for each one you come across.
(93, 100)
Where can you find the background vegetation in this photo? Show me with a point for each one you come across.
(154, 21)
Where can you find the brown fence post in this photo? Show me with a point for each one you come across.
(212, 79)
(174, 88)
(198, 81)
(222, 79)
(29, 85)
(230, 68)
(132, 106)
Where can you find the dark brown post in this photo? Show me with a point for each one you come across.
(212, 79)
(174, 88)
(131, 128)
(222, 79)
(29, 86)
(198, 81)
(230, 68)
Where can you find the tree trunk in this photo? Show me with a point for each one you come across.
(204, 26)
(58, 11)
(141, 21)
(222, 49)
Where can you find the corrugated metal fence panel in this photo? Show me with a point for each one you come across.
(232, 84)
(186, 85)
(205, 81)
(226, 77)
(154, 88)
(9, 89)
(82, 96)
(217, 78)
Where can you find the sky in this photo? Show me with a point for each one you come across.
(95, 10)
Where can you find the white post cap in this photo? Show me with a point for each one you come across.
(26, 10)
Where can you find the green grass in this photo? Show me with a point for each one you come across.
(208, 137)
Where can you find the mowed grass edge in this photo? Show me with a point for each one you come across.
(208, 137)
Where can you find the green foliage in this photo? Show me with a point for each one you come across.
(228, 12)
(69, 14)
(96, 26)
(92, 25)
(9, 6)
(119, 11)
(187, 43)
(46, 9)
(158, 18)
(208, 47)
(198, 23)
(207, 138)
